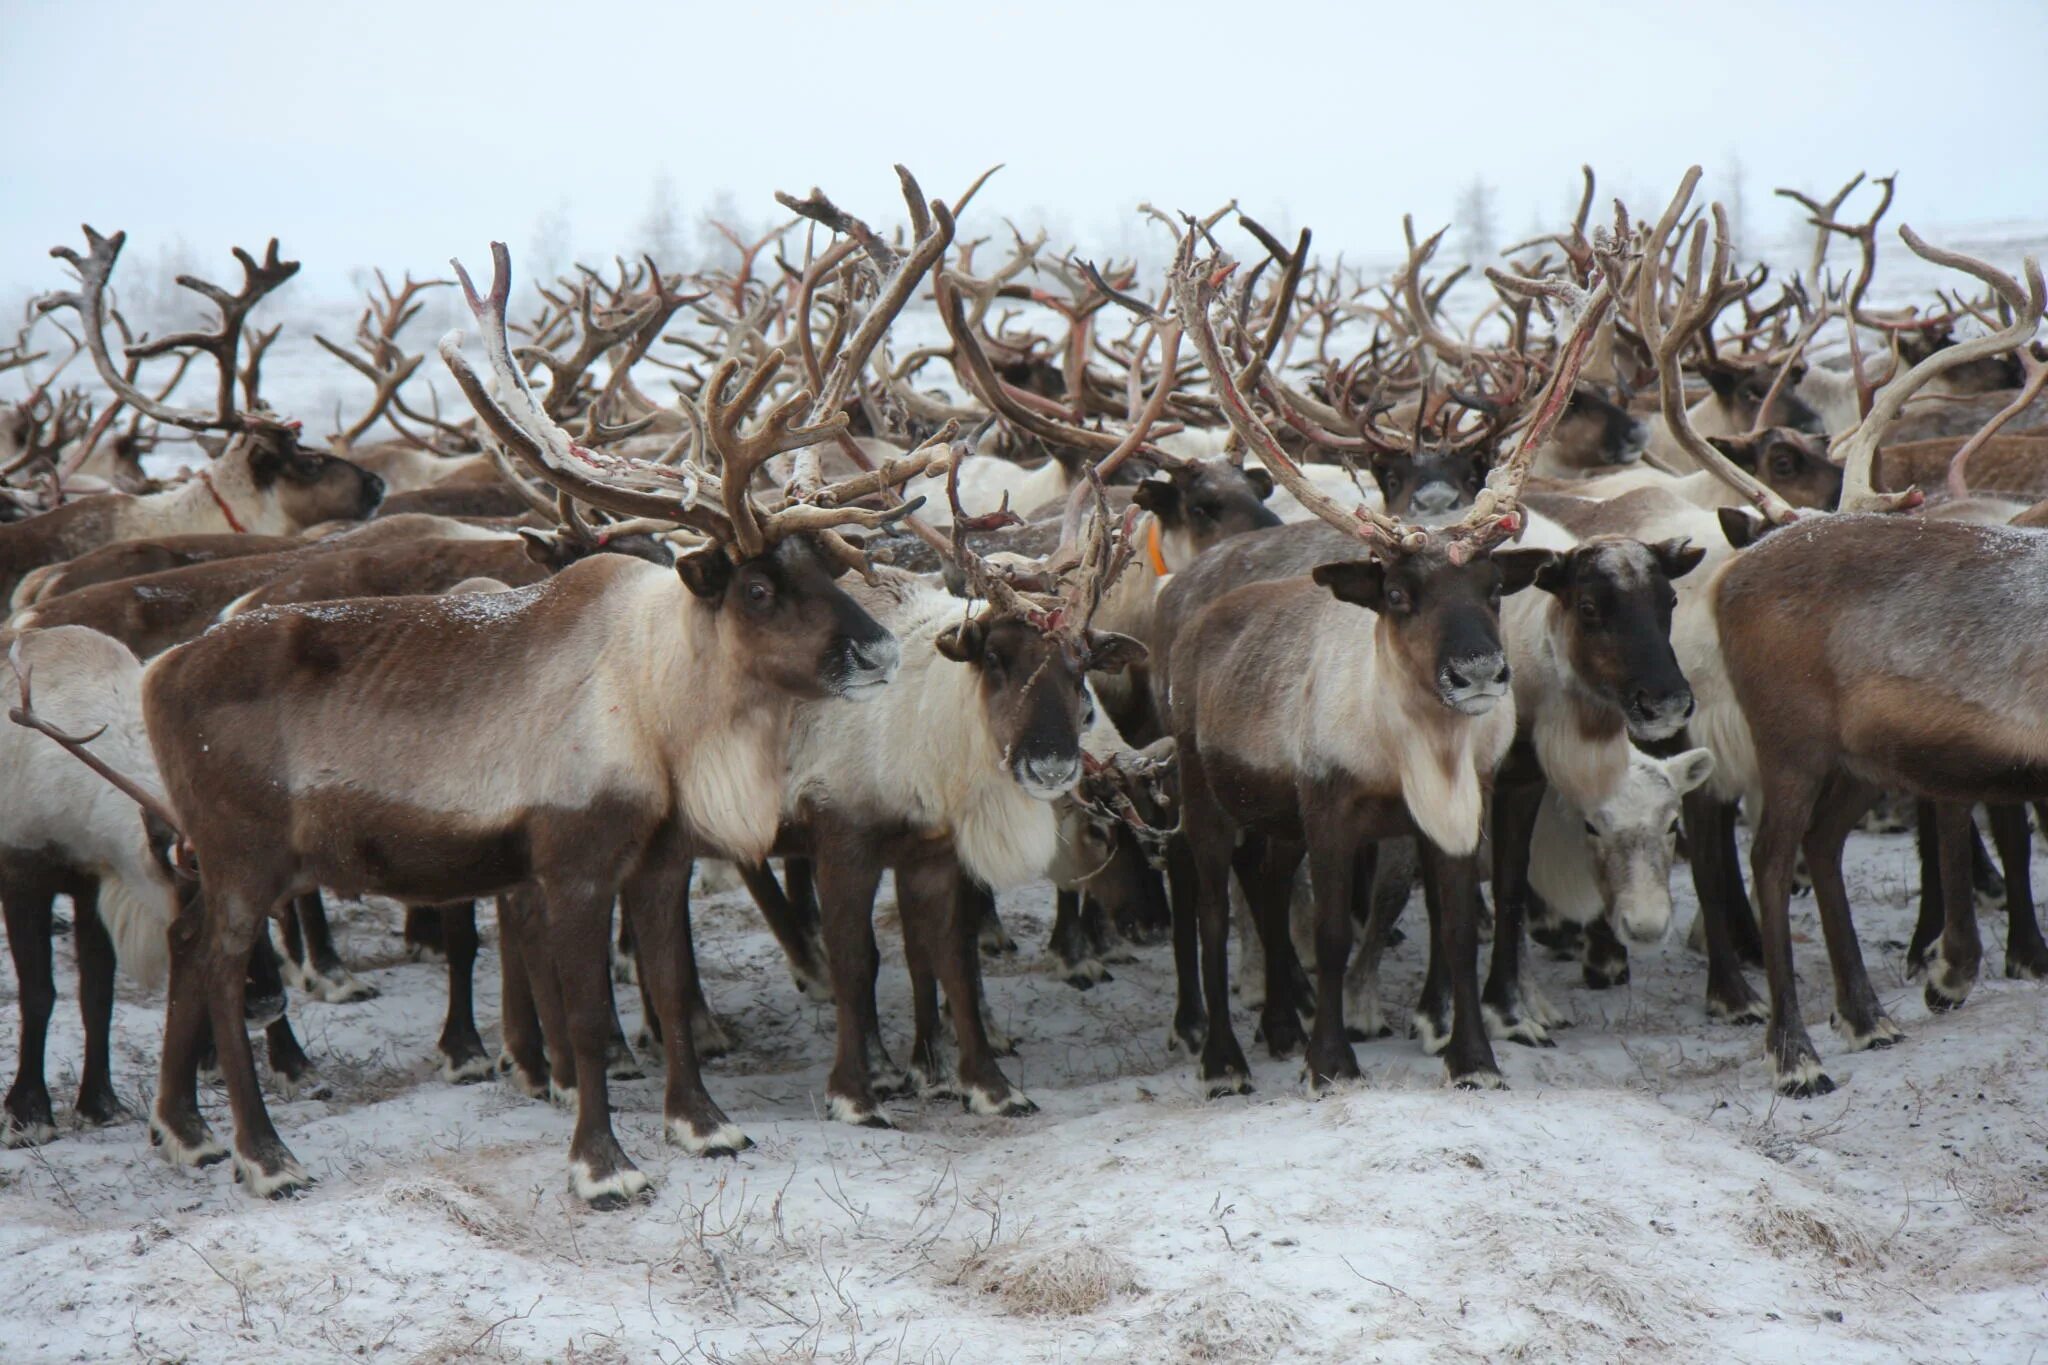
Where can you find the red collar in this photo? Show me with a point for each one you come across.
(234, 524)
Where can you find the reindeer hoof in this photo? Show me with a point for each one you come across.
(1433, 1034)
(1511, 1025)
(1731, 1007)
(100, 1110)
(277, 1177)
(608, 1192)
(561, 1096)
(1803, 1079)
(1226, 1081)
(1482, 1078)
(989, 1104)
(16, 1132)
(466, 1069)
(860, 1115)
(720, 1139)
(2031, 966)
(200, 1150)
(1881, 1032)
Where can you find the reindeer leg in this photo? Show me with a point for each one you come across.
(1788, 808)
(1372, 913)
(1068, 943)
(656, 901)
(2026, 955)
(982, 909)
(422, 933)
(524, 1057)
(1190, 1019)
(1468, 1057)
(578, 914)
(1927, 927)
(529, 921)
(946, 909)
(174, 1120)
(1984, 877)
(1859, 1017)
(1288, 994)
(463, 1058)
(236, 919)
(1333, 870)
(619, 1062)
(320, 972)
(793, 919)
(847, 878)
(29, 1121)
(97, 1104)
(920, 923)
(1710, 829)
(1517, 796)
(264, 1005)
(1952, 967)
(1211, 840)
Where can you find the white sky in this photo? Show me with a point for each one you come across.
(399, 134)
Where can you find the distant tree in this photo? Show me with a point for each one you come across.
(1738, 216)
(660, 233)
(1477, 240)
(548, 251)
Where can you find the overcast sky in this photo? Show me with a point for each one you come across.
(399, 134)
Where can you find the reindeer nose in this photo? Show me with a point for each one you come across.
(1050, 772)
(1486, 670)
(1433, 498)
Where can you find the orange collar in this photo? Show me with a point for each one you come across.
(222, 503)
(1152, 549)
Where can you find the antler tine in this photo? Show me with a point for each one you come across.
(1422, 312)
(1194, 289)
(1856, 449)
(1667, 342)
(25, 715)
(96, 267)
(520, 422)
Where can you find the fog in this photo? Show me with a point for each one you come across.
(400, 134)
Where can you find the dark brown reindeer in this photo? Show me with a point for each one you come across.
(338, 745)
(1400, 731)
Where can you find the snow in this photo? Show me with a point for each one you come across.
(1637, 1190)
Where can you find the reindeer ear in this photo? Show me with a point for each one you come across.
(1740, 450)
(1742, 525)
(1521, 568)
(1678, 557)
(266, 461)
(1260, 480)
(1109, 652)
(1361, 582)
(1160, 497)
(1722, 379)
(706, 572)
(963, 643)
(1689, 769)
(547, 549)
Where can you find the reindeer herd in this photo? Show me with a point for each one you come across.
(1231, 602)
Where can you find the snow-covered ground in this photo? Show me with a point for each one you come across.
(1638, 1191)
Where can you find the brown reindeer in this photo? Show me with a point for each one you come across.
(341, 745)
(1295, 725)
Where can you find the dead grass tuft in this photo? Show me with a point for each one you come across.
(462, 1204)
(1230, 1325)
(1064, 1282)
(1784, 1231)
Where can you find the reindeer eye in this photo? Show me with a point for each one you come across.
(1393, 481)
(759, 593)
(1589, 611)
(1673, 831)
(1591, 833)
(1397, 600)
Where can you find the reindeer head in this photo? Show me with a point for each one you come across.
(1741, 391)
(782, 613)
(1439, 619)
(1429, 487)
(1633, 838)
(1794, 464)
(1616, 599)
(1596, 432)
(308, 486)
(1034, 692)
(1203, 502)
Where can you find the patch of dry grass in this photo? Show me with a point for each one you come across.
(1785, 1231)
(1063, 1282)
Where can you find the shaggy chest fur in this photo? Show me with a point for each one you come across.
(920, 760)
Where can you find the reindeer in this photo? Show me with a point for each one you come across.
(321, 746)
(263, 483)
(1418, 710)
